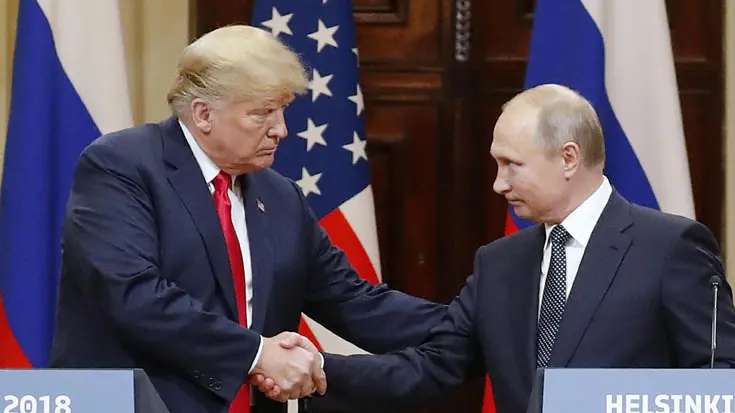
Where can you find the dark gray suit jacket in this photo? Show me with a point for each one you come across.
(641, 299)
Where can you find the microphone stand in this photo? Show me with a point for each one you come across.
(715, 284)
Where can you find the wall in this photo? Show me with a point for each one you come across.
(154, 33)
(729, 142)
(8, 13)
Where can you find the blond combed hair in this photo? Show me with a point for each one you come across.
(235, 63)
(563, 115)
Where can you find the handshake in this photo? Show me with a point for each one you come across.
(290, 367)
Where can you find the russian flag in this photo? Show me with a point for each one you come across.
(618, 55)
(69, 86)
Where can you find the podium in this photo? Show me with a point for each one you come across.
(565, 390)
(78, 391)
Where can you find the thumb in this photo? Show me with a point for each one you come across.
(320, 379)
(290, 340)
(306, 344)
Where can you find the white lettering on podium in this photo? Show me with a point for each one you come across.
(727, 399)
(677, 402)
(614, 406)
(661, 405)
(37, 404)
(632, 403)
(668, 403)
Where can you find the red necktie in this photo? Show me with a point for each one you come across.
(241, 403)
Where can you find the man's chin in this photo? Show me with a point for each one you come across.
(264, 162)
(520, 211)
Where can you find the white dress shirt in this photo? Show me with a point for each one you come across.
(579, 224)
(210, 171)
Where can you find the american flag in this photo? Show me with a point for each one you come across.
(325, 151)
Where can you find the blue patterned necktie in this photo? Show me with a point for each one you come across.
(554, 298)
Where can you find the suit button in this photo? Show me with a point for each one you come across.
(217, 386)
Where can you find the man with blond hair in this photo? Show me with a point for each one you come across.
(185, 255)
(598, 282)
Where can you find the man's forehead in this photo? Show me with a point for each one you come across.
(276, 100)
(517, 116)
(516, 122)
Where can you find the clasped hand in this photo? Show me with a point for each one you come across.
(289, 368)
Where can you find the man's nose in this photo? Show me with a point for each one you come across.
(500, 185)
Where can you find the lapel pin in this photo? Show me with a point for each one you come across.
(260, 205)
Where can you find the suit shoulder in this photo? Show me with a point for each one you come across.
(276, 183)
(130, 144)
(659, 223)
(510, 242)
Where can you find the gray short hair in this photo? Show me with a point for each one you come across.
(235, 63)
(563, 115)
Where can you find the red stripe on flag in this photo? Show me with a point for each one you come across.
(488, 401)
(11, 355)
(342, 236)
(305, 331)
(510, 225)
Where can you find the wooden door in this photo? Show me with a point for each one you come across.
(434, 77)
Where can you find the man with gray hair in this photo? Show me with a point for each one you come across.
(598, 282)
(185, 255)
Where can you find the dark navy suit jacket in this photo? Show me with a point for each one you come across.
(146, 281)
(641, 299)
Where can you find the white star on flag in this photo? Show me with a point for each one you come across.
(313, 134)
(324, 36)
(278, 23)
(308, 182)
(357, 147)
(318, 85)
(357, 98)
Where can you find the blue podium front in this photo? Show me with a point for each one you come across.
(77, 391)
(634, 391)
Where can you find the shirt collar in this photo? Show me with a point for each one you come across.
(209, 169)
(581, 222)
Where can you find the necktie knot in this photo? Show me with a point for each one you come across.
(222, 182)
(559, 235)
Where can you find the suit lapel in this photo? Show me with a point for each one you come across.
(523, 296)
(186, 179)
(603, 255)
(261, 250)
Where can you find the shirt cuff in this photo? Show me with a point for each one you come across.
(257, 356)
(322, 357)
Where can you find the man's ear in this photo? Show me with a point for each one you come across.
(201, 115)
(571, 158)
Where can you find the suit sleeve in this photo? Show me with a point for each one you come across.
(373, 317)
(688, 297)
(111, 232)
(413, 376)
